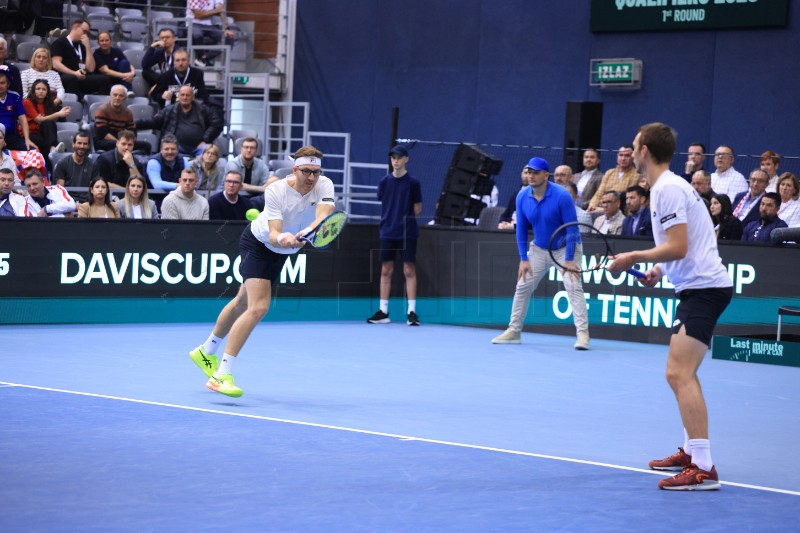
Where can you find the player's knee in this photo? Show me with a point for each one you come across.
(258, 310)
(409, 270)
(676, 378)
(387, 270)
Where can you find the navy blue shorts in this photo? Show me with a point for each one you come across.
(258, 261)
(406, 248)
(699, 311)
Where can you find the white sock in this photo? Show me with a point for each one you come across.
(687, 447)
(701, 453)
(412, 306)
(385, 306)
(226, 364)
(211, 344)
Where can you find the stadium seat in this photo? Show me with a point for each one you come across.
(133, 31)
(134, 57)
(101, 22)
(490, 217)
(25, 51)
(141, 111)
(65, 136)
(130, 45)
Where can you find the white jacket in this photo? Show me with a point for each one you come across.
(18, 203)
(61, 203)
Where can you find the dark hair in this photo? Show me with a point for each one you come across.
(774, 196)
(49, 102)
(638, 189)
(166, 29)
(571, 186)
(128, 135)
(90, 197)
(80, 133)
(660, 141)
(169, 138)
(697, 143)
(726, 208)
(612, 192)
(32, 172)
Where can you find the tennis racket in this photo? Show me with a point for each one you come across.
(326, 232)
(587, 232)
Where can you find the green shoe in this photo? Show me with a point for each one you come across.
(223, 383)
(208, 363)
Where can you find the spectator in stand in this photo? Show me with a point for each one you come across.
(610, 222)
(42, 69)
(789, 188)
(98, 203)
(75, 170)
(695, 160)
(508, 220)
(112, 63)
(562, 174)
(746, 205)
(229, 204)
(11, 204)
(701, 181)
(209, 170)
(12, 114)
(253, 170)
(136, 203)
(588, 180)
(583, 216)
(114, 117)
(7, 160)
(117, 165)
(726, 179)
(209, 25)
(770, 162)
(726, 226)
(165, 168)
(761, 229)
(194, 124)
(74, 61)
(184, 203)
(616, 179)
(46, 201)
(637, 223)
(15, 79)
(42, 114)
(158, 55)
(165, 91)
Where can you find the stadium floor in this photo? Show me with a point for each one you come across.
(357, 427)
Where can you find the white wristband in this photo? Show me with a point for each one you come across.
(306, 231)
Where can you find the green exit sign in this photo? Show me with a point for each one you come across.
(241, 79)
(614, 73)
(620, 73)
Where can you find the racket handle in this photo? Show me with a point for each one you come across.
(636, 273)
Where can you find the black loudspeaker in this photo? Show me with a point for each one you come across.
(475, 161)
(582, 129)
(453, 208)
(460, 181)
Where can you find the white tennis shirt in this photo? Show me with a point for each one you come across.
(673, 201)
(297, 212)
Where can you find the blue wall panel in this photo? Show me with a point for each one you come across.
(502, 71)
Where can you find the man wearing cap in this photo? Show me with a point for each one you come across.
(545, 206)
(400, 195)
(12, 113)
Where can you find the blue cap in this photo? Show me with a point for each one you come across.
(537, 163)
(400, 150)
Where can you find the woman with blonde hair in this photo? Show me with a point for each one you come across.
(208, 170)
(789, 189)
(42, 69)
(136, 203)
(98, 204)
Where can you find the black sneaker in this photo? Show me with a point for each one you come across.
(413, 319)
(379, 318)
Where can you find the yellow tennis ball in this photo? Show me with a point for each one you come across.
(252, 214)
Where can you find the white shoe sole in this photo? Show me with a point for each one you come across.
(381, 321)
(503, 341)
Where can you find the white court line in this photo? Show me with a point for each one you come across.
(392, 435)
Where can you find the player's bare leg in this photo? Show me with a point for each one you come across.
(410, 272)
(257, 299)
(387, 269)
(230, 313)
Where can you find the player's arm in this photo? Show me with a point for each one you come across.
(277, 237)
(675, 247)
(321, 213)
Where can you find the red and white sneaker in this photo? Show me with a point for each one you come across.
(674, 463)
(692, 478)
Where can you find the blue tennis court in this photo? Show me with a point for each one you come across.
(356, 427)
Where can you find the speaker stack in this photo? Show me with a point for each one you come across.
(469, 174)
(582, 129)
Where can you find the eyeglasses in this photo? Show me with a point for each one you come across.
(233, 182)
(560, 174)
(308, 172)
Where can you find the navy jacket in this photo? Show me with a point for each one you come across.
(645, 227)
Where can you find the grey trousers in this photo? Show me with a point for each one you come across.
(540, 262)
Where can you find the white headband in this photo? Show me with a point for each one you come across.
(307, 160)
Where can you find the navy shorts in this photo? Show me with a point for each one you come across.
(258, 261)
(406, 248)
(699, 311)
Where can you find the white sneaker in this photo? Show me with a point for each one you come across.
(507, 337)
(583, 341)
